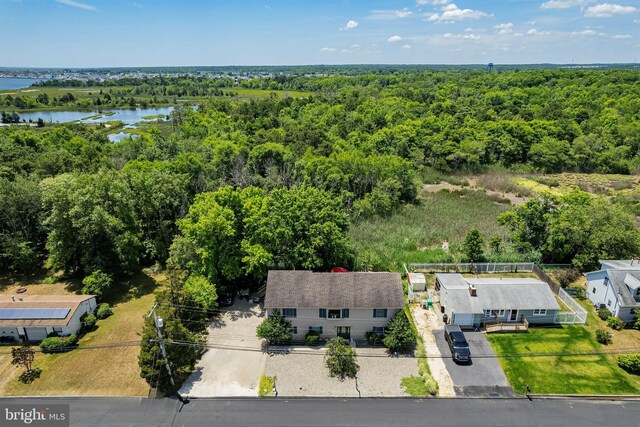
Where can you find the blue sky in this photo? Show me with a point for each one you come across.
(95, 33)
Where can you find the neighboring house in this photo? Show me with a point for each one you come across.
(334, 304)
(616, 286)
(470, 301)
(33, 317)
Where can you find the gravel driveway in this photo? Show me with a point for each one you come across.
(302, 372)
(235, 367)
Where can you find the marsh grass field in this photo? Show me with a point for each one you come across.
(415, 232)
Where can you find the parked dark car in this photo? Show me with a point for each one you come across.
(226, 299)
(457, 344)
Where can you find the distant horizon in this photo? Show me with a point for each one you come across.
(372, 64)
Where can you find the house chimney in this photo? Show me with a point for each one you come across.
(473, 291)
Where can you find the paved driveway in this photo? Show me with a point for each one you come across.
(234, 366)
(483, 376)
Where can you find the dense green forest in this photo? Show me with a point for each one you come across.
(363, 141)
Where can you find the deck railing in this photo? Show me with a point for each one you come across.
(502, 326)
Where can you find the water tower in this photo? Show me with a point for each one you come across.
(490, 67)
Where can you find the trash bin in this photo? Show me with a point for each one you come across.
(429, 303)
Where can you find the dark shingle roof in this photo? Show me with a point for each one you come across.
(306, 289)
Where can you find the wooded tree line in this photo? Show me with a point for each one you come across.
(87, 204)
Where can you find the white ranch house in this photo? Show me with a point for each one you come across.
(334, 304)
(33, 317)
(616, 286)
(471, 302)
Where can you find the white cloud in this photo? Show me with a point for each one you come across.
(636, 21)
(587, 32)
(394, 39)
(350, 25)
(436, 2)
(452, 13)
(136, 4)
(622, 36)
(607, 10)
(534, 32)
(506, 28)
(563, 4)
(76, 4)
(390, 14)
(406, 46)
(461, 36)
(328, 49)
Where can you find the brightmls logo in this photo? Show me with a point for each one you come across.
(35, 415)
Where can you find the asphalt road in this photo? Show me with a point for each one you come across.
(345, 412)
(483, 377)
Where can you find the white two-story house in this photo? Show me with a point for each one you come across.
(616, 286)
(334, 304)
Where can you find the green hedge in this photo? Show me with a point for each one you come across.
(58, 344)
(103, 311)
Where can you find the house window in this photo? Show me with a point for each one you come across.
(379, 312)
(540, 312)
(322, 313)
(317, 329)
(593, 290)
(334, 314)
(57, 329)
(494, 313)
(609, 303)
(294, 330)
(378, 329)
(345, 313)
(289, 312)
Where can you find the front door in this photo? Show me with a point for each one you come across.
(344, 332)
(513, 316)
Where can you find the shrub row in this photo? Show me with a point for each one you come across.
(58, 344)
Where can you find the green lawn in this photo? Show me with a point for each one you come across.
(581, 374)
(415, 233)
(110, 371)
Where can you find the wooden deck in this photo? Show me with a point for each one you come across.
(497, 326)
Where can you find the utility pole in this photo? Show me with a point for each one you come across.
(158, 323)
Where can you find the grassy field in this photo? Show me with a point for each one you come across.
(107, 371)
(91, 93)
(581, 374)
(415, 233)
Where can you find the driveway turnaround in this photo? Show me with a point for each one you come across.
(301, 371)
(484, 376)
(234, 362)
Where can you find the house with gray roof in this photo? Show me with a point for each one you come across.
(471, 302)
(334, 304)
(616, 286)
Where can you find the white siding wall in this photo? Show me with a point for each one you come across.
(602, 293)
(360, 321)
(74, 324)
(626, 314)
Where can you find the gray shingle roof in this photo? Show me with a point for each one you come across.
(496, 294)
(306, 289)
(617, 282)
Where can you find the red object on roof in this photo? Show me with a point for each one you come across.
(339, 270)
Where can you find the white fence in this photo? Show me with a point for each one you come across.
(479, 267)
(577, 315)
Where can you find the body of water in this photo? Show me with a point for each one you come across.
(11, 83)
(127, 116)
